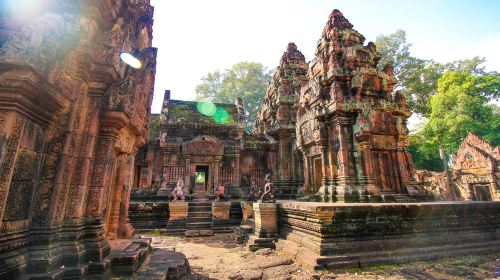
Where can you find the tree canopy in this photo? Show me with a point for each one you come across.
(248, 80)
(416, 76)
(461, 106)
(454, 97)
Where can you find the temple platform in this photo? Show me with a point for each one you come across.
(354, 235)
(127, 255)
(181, 217)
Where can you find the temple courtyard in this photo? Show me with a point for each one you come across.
(314, 179)
(220, 257)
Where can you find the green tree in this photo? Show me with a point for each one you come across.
(419, 77)
(422, 158)
(154, 129)
(248, 80)
(461, 106)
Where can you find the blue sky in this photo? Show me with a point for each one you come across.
(195, 37)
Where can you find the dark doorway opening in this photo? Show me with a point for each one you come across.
(481, 192)
(201, 179)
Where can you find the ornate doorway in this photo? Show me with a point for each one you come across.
(201, 179)
(383, 172)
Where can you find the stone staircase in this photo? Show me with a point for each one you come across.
(199, 215)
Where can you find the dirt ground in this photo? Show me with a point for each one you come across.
(218, 257)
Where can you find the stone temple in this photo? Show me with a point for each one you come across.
(325, 176)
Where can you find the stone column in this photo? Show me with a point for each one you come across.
(266, 225)
(284, 156)
(265, 228)
(398, 167)
(103, 167)
(187, 177)
(307, 184)
(220, 215)
(12, 129)
(115, 194)
(237, 178)
(216, 172)
(178, 215)
(125, 229)
(324, 180)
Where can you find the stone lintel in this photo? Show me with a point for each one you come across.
(24, 90)
(111, 122)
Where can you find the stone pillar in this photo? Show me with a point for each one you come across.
(265, 228)
(125, 229)
(115, 194)
(103, 167)
(305, 166)
(187, 177)
(398, 167)
(284, 156)
(237, 178)
(247, 211)
(12, 128)
(220, 215)
(368, 166)
(178, 215)
(216, 171)
(343, 155)
(266, 225)
(324, 164)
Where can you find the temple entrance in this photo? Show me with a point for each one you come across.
(480, 192)
(383, 171)
(318, 174)
(201, 179)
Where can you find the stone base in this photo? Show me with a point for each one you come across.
(166, 264)
(348, 235)
(127, 255)
(265, 220)
(255, 243)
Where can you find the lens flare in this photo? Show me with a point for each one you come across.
(206, 108)
(130, 60)
(221, 116)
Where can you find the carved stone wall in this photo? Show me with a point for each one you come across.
(474, 174)
(331, 236)
(72, 116)
(191, 138)
(277, 119)
(351, 126)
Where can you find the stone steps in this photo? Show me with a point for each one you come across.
(199, 220)
(199, 216)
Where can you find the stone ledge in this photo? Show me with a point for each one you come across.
(328, 236)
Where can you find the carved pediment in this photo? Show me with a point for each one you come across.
(204, 146)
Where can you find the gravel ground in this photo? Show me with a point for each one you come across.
(218, 257)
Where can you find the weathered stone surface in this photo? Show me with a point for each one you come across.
(194, 140)
(359, 235)
(266, 217)
(72, 116)
(351, 126)
(474, 175)
(277, 119)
